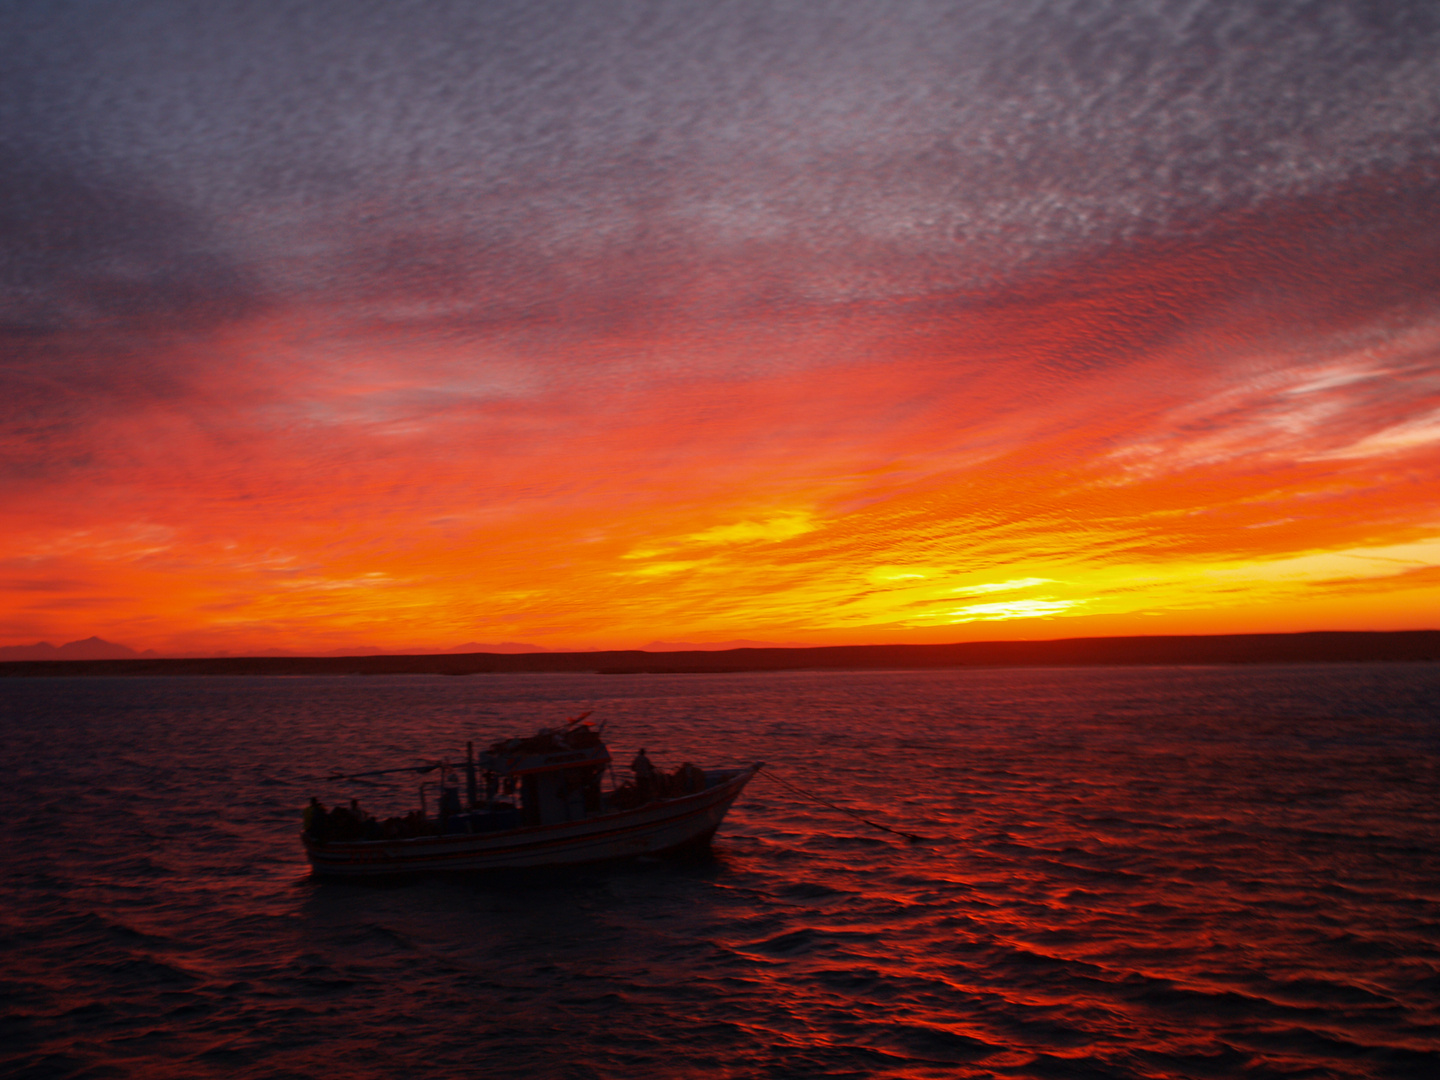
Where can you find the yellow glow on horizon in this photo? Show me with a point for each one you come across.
(905, 500)
(1007, 609)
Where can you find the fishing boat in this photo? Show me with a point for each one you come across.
(528, 802)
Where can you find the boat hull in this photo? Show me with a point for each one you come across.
(657, 828)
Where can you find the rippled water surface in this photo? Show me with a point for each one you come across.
(1184, 872)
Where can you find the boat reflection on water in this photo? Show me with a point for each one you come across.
(542, 805)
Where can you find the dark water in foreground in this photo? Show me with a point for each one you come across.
(1128, 873)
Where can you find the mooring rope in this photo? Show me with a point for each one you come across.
(912, 837)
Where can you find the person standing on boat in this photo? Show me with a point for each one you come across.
(646, 784)
(315, 817)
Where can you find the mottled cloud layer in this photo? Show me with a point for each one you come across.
(594, 323)
(517, 148)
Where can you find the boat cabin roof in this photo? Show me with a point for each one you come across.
(548, 750)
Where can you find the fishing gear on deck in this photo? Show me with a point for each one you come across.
(912, 837)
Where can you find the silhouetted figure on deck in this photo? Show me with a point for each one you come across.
(315, 818)
(646, 778)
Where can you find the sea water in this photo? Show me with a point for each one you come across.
(1124, 872)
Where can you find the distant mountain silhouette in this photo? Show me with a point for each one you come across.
(92, 648)
(710, 646)
(1345, 647)
(502, 647)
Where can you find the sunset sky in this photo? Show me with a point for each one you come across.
(406, 325)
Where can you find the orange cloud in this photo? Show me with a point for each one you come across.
(1141, 444)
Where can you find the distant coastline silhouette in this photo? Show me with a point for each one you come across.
(1344, 646)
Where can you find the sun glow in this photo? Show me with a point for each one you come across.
(1008, 609)
(877, 478)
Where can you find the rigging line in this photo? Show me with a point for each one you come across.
(912, 837)
(372, 772)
